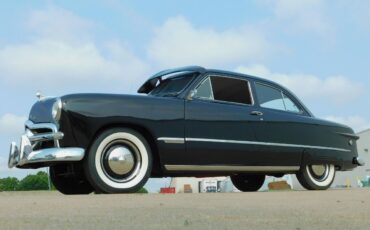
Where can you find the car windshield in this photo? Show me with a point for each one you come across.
(172, 86)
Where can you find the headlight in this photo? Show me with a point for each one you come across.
(57, 110)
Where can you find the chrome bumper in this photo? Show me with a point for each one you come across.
(358, 161)
(26, 155)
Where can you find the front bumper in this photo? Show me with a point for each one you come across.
(30, 153)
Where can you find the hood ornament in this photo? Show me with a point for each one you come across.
(39, 95)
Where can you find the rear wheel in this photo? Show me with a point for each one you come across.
(247, 182)
(119, 161)
(316, 177)
(69, 179)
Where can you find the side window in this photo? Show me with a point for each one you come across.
(272, 98)
(225, 89)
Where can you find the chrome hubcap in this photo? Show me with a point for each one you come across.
(319, 172)
(121, 160)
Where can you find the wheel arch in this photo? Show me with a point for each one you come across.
(311, 157)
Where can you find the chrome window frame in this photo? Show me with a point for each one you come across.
(286, 96)
(201, 83)
(282, 92)
(208, 76)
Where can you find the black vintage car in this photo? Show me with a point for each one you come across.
(190, 121)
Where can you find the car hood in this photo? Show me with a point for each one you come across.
(41, 111)
(83, 103)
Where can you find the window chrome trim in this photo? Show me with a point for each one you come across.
(210, 83)
(226, 102)
(281, 90)
(175, 140)
(232, 168)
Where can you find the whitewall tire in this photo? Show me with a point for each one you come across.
(119, 161)
(316, 177)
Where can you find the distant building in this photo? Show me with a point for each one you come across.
(202, 185)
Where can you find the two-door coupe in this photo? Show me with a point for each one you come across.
(190, 121)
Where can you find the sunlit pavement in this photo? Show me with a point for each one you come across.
(333, 209)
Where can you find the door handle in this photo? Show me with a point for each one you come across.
(256, 113)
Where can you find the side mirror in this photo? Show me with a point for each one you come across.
(191, 94)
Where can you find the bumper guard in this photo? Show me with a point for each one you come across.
(26, 155)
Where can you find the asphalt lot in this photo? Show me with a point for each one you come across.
(333, 209)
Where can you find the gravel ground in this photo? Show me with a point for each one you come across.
(333, 209)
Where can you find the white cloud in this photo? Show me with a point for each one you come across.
(63, 54)
(302, 15)
(52, 62)
(11, 125)
(58, 24)
(177, 42)
(358, 123)
(337, 89)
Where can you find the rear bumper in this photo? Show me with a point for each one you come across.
(29, 154)
(358, 161)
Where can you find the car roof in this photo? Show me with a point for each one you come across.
(177, 70)
(252, 77)
(152, 81)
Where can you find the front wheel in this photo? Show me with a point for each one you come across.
(316, 177)
(119, 161)
(248, 183)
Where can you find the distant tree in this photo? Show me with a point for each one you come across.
(34, 182)
(142, 190)
(9, 184)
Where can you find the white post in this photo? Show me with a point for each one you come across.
(49, 182)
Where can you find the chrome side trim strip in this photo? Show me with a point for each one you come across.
(175, 140)
(172, 140)
(232, 168)
(265, 143)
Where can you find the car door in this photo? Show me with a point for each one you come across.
(219, 126)
(281, 131)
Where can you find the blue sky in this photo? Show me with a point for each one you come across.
(319, 49)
